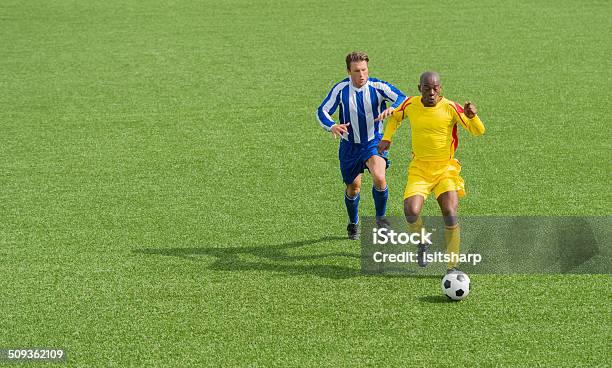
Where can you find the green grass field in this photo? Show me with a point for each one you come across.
(169, 199)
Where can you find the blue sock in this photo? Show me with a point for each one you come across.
(380, 200)
(352, 207)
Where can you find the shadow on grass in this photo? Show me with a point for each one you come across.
(436, 299)
(273, 258)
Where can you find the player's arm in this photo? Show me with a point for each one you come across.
(327, 109)
(392, 125)
(467, 117)
(391, 94)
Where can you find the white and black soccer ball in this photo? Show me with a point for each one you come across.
(456, 285)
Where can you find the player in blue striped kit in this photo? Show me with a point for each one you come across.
(360, 100)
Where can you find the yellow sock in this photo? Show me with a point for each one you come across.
(416, 226)
(453, 242)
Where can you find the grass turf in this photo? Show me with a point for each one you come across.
(169, 199)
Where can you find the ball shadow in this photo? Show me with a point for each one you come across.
(436, 299)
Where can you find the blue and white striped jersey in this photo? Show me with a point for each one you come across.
(359, 107)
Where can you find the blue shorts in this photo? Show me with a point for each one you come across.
(353, 158)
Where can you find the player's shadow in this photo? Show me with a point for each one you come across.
(273, 258)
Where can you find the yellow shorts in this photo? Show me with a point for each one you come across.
(439, 176)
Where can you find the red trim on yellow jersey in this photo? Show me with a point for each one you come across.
(455, 142)
(459, 109)
(404, 105)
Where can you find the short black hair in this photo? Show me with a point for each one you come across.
(427, 74)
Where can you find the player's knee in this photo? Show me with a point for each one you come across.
(379, 181)
(449, 213)
(449, 210)
(353, 190)
(411, 211)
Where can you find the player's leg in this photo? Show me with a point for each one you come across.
(412, 211)
(417, 189)
(380, 192)
(351, 200)
(449, 189)
(351, 168)
(449, 202)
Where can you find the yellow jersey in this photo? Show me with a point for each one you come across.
(434, 129)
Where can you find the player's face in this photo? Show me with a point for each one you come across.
(359, 73)
(430, 92)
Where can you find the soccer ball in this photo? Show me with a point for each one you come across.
(456, 285)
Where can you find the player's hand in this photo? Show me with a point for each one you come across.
(385, 114)
(383, 146)
(469, 109)
(338, 130)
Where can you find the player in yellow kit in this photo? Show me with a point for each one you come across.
(433, 120)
